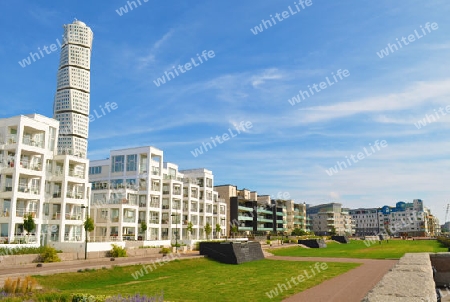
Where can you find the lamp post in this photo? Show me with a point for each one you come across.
(176, 234)
(85, 229)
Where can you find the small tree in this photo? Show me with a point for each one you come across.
(28, 224)
(190, 228)
(89, 225)
(218, 229)
(299, 232)
(144, 229)
(333, 231)
(208, 230)
(234, 230)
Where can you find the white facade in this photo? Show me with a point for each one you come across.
(328, 218)
(36, 181)
(135, 185)
(71, 107)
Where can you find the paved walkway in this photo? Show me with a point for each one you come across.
(75, 265)
(351, 286)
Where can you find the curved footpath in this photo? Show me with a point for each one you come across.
(351, 286)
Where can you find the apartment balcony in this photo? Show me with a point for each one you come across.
(245, 228)
(129, 219)
(31, 142)
(23, 213)
(79, 175)
(299, 216)
(74, 195)
(56, 216)
(165, 207)
(242, 208)
(265, 220)
(281, 221)
(264, 211)
(330, 219)
(154, 221)
(114, 219)
(245, 218)
(264, 229)
(29, 190)
(73, 216)
(330, 224)
(176, 192)
(155, 205)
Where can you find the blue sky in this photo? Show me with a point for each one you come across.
(251, 78)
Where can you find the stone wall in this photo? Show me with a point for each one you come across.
(441, 262)
(410, 280)
(232, 252)
(313, 243)
(341, 239)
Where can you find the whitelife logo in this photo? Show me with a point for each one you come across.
(243, 126)
(341, 74)
(35, 56)
(169, 75)
(360, 156)
(391, 48)
(432, 118)
(318, 268)
(266, 24)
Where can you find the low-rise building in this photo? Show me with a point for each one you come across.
(136, 188)
(36, 181)
(327, 219)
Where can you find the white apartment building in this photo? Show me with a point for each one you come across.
(411, 219)
(72, 99)
(135, 185)
(35, 181)
(329, 218)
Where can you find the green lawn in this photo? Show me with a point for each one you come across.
(357, 249)
(197, 280)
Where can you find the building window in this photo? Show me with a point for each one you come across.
(117, 163)
(132, 162)
(95, 170)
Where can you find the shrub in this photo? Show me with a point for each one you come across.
(49, 254)
(165, 250)
(285, 240)
(117, 251)
(85, 298)
(268, 241)
(444, 241)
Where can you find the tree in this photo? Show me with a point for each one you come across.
(218, 229)
(29, 224)
(190, 228)
(89, 225)
(299, 232)
(234, 229)
(144, 229)
(208, 230)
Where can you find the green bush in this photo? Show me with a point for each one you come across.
(49, 254)
(24, 250)
(444, 241)
(286, 240)
(117, 251)
(165, 250)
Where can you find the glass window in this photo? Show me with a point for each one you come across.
(132, 162)
(117, 163)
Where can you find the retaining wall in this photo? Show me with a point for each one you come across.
(410, 280)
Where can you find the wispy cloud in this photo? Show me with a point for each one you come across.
(149, 58)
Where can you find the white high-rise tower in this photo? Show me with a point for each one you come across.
(71, 107)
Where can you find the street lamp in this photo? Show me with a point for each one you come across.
(85, 229)
(176, 234)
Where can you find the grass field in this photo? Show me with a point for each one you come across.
(394, 249)
(197, 280)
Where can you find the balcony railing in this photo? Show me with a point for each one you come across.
(73, 216)
(24, 213)
(154, 204)
(154, 221)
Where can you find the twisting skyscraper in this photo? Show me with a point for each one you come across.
(71, 107)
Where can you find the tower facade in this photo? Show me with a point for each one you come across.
(71, 106)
